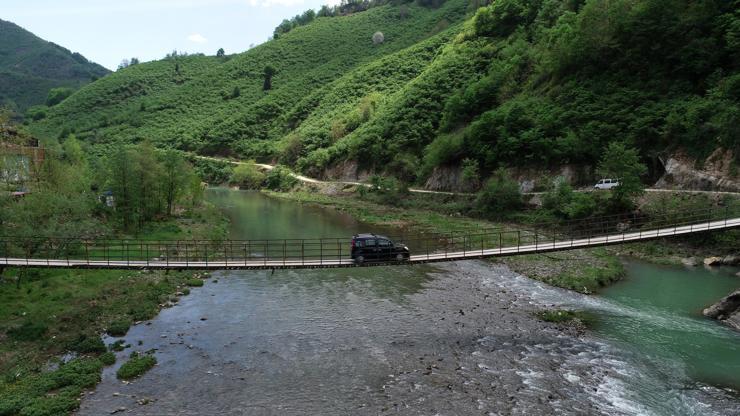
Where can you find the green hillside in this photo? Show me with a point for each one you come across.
(30, 67)
(515, 83)
(189, 102)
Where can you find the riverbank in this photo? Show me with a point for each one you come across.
(52, 319)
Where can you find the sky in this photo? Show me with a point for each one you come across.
(107, 31)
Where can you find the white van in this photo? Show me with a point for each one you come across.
(607, 184)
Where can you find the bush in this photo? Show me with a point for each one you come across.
(117, 346)
(581, 206)
(195, 282)
(499, 197)
(470, 174)
(247, 176)
(502, 17)
(86, 344)
(136, 366)
(57, 95)
(52, 393)
(108, 358)
(28, 331)
(118, 328)
(280, 179)
(388, 190)
(623, 163)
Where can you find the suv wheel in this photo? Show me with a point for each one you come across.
(400, 257)
(359, 259)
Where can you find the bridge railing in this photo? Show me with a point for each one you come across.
(40, 251)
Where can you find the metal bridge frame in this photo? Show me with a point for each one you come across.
(44, 252)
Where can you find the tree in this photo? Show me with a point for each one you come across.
(470, 174)
(174, 177)
(269, 72)
(134, 61)
(623, 164)
(122, 183)
(247, 176)
(124, 64)
(57, 95)
(499, 196)
(220, 53)
(73, 151)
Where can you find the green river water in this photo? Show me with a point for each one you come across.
(658, 313)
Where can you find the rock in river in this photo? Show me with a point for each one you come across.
(713, 261)
(727, 310)
(689, 262)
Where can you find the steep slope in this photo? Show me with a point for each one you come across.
(517, 83)
(218, 105)
(30, 67)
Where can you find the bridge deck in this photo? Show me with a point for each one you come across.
(298, 263)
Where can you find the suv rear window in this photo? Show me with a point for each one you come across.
(359, 243)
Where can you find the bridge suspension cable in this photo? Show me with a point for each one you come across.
(18, 251)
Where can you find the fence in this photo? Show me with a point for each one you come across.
(331, 252)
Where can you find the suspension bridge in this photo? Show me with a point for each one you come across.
(43, 252)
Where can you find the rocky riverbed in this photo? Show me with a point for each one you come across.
(454, 339)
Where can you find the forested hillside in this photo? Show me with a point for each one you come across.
(512, 83)
(30, 67)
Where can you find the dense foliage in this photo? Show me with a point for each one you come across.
(72, 193)
(30, 67)
(188, 102)
(519, 83)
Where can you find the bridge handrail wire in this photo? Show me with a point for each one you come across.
(330, 250)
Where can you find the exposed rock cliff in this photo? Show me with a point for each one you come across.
(716, 174)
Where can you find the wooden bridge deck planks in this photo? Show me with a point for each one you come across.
(562, 245)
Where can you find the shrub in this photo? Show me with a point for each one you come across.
(470, 174)
(247, 176)
(118, 328)
(57, 95)
(581, 206)
(280, 179)
(28, 331)
(108, 358)
(195, 282)
(86, 344)
(136, 366)
(36, 113)
(557, 196)
(119, 345)
(623, 163)
(500, 196)
(51, 393)
(404, 166)
(443, 150)
(388, 190)
(503, 17)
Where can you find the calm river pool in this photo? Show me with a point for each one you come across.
(445, 339)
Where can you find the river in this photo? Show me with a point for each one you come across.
(448, 339)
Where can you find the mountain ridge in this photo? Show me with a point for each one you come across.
(511, 83)
(31, 66)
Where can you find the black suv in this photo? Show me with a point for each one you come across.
(371, 247)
